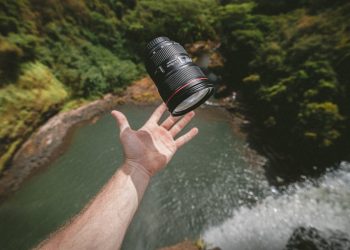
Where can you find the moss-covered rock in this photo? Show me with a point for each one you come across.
(25, 104)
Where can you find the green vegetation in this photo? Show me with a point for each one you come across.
(36, 95)
(81, 46)
(92, 47)
(184, 21)
(289, 59)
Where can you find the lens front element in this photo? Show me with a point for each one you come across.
(191, 101)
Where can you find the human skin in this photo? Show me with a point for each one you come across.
(103, 223)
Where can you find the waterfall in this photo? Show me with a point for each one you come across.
(323, 204)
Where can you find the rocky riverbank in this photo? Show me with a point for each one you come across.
(189, 245)
(48, 142)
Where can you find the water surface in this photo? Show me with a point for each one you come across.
(209, 189)
(323, 204)
(199, 189)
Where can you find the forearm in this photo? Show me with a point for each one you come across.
(102, 225)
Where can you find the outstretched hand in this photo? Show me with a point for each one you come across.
(151, 147)
(146, 150)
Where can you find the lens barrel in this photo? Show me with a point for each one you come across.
(176, 76)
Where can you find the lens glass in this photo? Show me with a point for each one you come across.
(192, 100)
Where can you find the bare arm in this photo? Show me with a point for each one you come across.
(102, 225)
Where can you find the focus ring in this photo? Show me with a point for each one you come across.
(155, 41)
(170, 50)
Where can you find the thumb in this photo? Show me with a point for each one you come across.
(121, 120)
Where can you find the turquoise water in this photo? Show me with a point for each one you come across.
(199, 189)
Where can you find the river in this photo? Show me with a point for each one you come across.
(210, 189)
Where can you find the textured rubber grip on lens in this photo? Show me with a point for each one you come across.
(155, 41)
(180, 77)
(167, 51)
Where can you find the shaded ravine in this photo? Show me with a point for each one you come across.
(200, 187)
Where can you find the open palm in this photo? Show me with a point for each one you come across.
(151, 147)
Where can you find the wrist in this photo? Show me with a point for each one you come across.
(132, 167)
(135, 177)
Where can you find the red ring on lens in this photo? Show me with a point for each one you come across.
(183, 86)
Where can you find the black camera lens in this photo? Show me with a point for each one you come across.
(181, 83)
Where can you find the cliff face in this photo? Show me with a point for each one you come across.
(45, 144)
(36, 95)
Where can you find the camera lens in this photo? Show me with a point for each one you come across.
(181, 83)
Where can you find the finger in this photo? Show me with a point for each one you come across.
(170, 121)
(182, 140)
(157, 114)
(121, 120)
(181, 124)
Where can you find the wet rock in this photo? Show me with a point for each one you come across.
(144, 91)
(310, 238)
(205, 53)
(185, 245)
(189, 245)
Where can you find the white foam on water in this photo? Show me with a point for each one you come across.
(268, 225)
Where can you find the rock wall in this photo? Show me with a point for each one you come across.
(43, 144)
